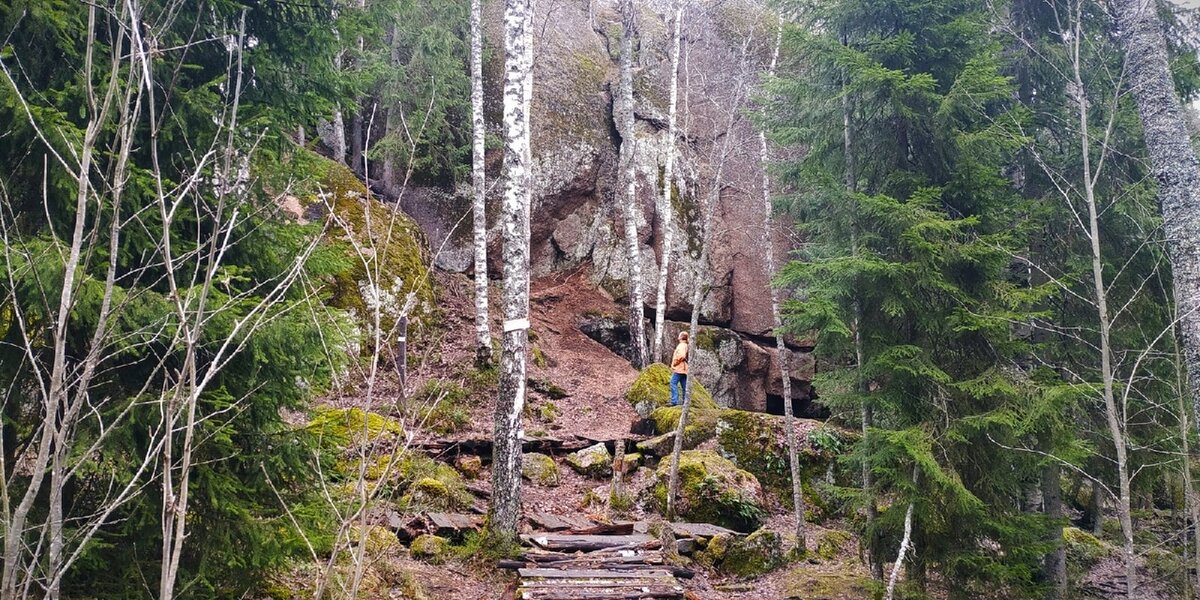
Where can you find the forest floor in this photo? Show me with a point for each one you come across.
(594, 381)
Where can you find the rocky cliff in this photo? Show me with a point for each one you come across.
(576, 221)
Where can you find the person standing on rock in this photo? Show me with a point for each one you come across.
(679, 369)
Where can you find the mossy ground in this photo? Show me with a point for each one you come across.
(701, 426)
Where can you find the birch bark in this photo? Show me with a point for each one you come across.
(777, 319)
(506, 453)
(625, 124)
(483, 334)
(665, 209)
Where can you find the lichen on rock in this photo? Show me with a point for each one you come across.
(712, 490)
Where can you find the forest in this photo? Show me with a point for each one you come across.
(593, 299)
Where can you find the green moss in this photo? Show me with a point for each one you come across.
(757, 442)
(712, 490)
(428, 484)
(343, 426)
(395, 245)
(469, 466)
(715, 550)
(594, 461)
(803, 582)
(539, 357)
(831, 543)
(652, 389)
(758, 553)
(443, 406)
(540, 469)
(1084, 549)
(701, 427)
(379, 540)
(430, 548)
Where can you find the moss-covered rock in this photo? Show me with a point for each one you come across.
(469, 466)
(392, 243)
(630, 462)
(540, 469)
(701, 426)
(430, 548)
(714, 550)
(593, 461)
(832, 543)
(341, 427)
(804, 582)
(758, 443)
(758, 553)
(712, 490)
(652, 389)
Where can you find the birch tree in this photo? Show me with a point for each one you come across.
(628, 184)
(483, 334)
(514, 218)
(1174, 163)
(769, 265)
(665, 209)
(708, 207)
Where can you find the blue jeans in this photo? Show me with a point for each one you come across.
(678, 381)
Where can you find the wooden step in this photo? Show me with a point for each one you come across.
(587, 543)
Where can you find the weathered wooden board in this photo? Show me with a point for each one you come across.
(591, 573)
(550, 522)
(600, 594)
(586, 543)
(704, 530)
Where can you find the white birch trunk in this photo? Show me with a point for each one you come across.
(628, 177)
(905, 543)
(1113, 416)
(483, 334)
(1175, 166)
(769, 265)
(665, 208)
(506, 453)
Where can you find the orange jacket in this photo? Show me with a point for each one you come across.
(679, 361)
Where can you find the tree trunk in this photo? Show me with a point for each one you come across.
(665, 208)
(868, 411)
(1054, 567)
(708, 207)
(506, 451)
(483, 334)
(1114, 417)
(625, 125)
(777, 318)
(1175, 166)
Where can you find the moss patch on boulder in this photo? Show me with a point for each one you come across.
(758, 553)
(660, 445)
(712, 490)
(832, 543)
(652, 389)
(540, 469)
(1084, 549)
(701, 426)
(428, 484)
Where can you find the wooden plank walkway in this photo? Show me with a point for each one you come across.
(601, 561)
